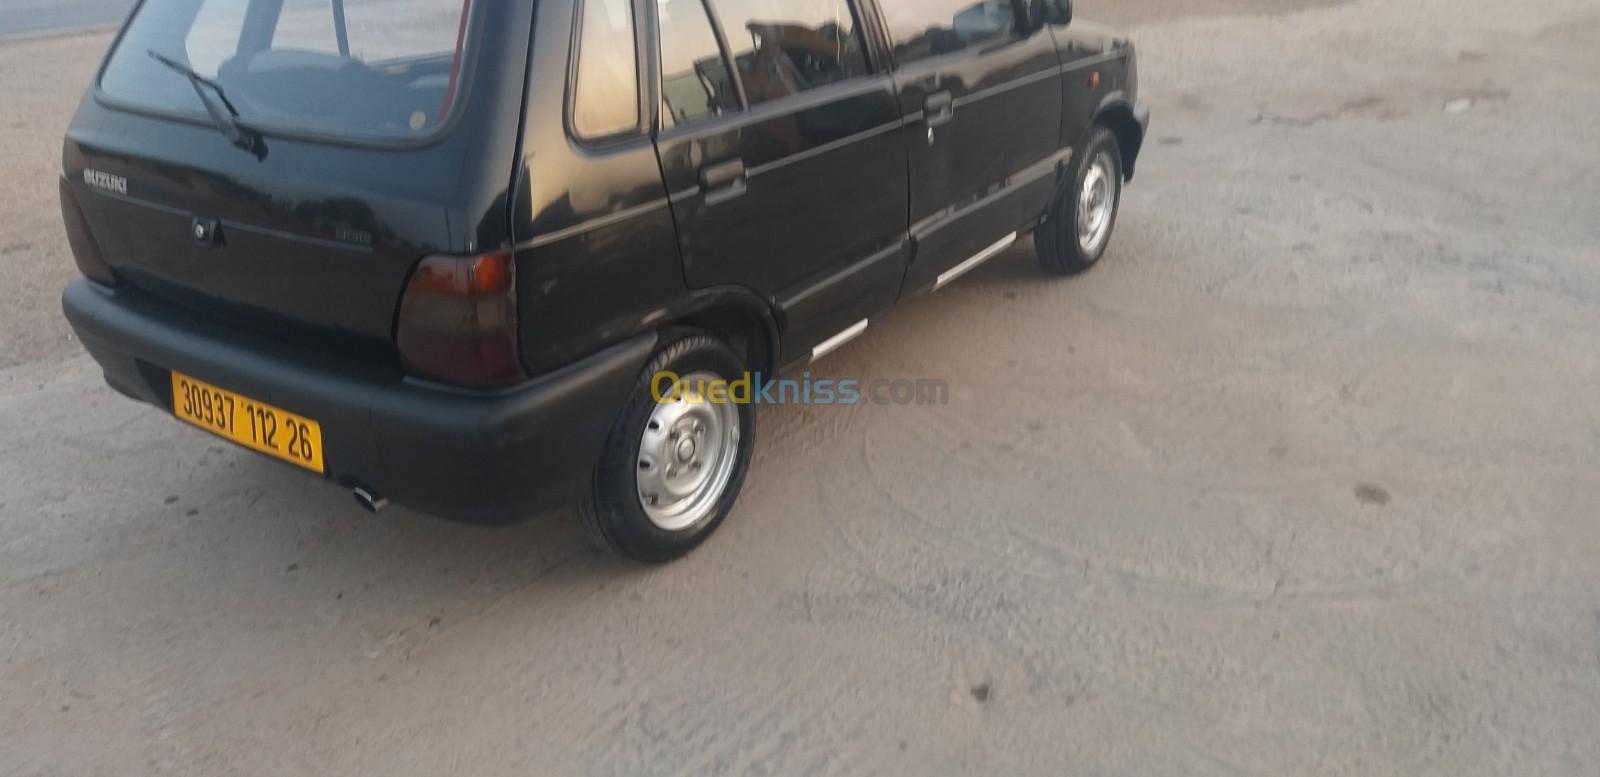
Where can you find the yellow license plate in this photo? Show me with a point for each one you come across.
(255, 425)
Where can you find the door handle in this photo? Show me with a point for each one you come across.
(722, 181)
(938, 108)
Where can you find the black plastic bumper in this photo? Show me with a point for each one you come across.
(463, 455)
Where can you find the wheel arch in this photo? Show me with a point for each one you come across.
(734, 312)
(1116, 114)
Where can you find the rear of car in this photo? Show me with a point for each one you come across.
(291, 217)
(485, 257)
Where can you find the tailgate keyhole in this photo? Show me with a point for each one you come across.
(206, 232)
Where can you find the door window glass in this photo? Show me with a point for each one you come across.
(606, 96)
(784, 47)
(930, 28)
(695, 82)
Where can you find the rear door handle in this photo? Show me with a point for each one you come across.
(722, 181)
(938, 108)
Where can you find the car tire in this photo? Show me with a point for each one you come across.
(1078, 228)
(671, 471)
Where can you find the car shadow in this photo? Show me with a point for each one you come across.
(304, 524)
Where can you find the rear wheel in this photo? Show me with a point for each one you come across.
(1081, 219)
(675, 461)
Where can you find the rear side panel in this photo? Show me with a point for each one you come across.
(597, 253)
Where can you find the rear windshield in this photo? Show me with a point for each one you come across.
(375, 69)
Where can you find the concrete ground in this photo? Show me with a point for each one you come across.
(1301, 480)
(29, 18)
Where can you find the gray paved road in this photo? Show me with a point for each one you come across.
(1299, 481)
(29, 17)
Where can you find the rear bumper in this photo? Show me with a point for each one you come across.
(463, 455)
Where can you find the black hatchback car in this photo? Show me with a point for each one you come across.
(486, 258)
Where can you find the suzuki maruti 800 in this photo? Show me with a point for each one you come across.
(438, 251)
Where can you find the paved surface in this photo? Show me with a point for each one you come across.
(35, 17)
(1302, 480)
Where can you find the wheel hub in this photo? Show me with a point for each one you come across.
(1096, 204)
(687, 454)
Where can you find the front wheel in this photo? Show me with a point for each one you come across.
(1078, 228)
(677, 457)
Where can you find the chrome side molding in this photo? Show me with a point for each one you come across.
(837, 341)
(967, 266)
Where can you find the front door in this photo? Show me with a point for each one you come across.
(981, 99)
(779, 144)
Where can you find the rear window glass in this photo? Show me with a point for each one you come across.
(379, 69)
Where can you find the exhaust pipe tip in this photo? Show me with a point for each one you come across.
(369, 500)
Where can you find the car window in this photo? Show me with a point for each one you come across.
(215, 34)
(375, 30)
(391, 70)
(784, 47)
(307, 25)
(695, 82)
(930, 28)
(606, 95)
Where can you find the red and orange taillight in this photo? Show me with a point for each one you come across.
(85, 249)
(458, 320)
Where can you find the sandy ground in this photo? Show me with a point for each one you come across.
(1301, 480)
(32, 18)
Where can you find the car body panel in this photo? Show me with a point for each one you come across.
(291, 294)
(485, 457)
(596, 249)
(992, 166)
(313, 239)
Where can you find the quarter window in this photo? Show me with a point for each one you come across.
(930, 28)
(606, 94)
(695, 82)
(785, 47)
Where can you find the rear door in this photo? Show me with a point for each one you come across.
(779, 144)
(981, 99)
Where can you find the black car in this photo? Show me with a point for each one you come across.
(486, 258)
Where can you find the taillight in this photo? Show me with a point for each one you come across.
(458, 320)
(85, 251)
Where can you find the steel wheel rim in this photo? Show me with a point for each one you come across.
(687, 455)
(1097, 200)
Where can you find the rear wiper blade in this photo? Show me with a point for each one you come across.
(237, 131)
